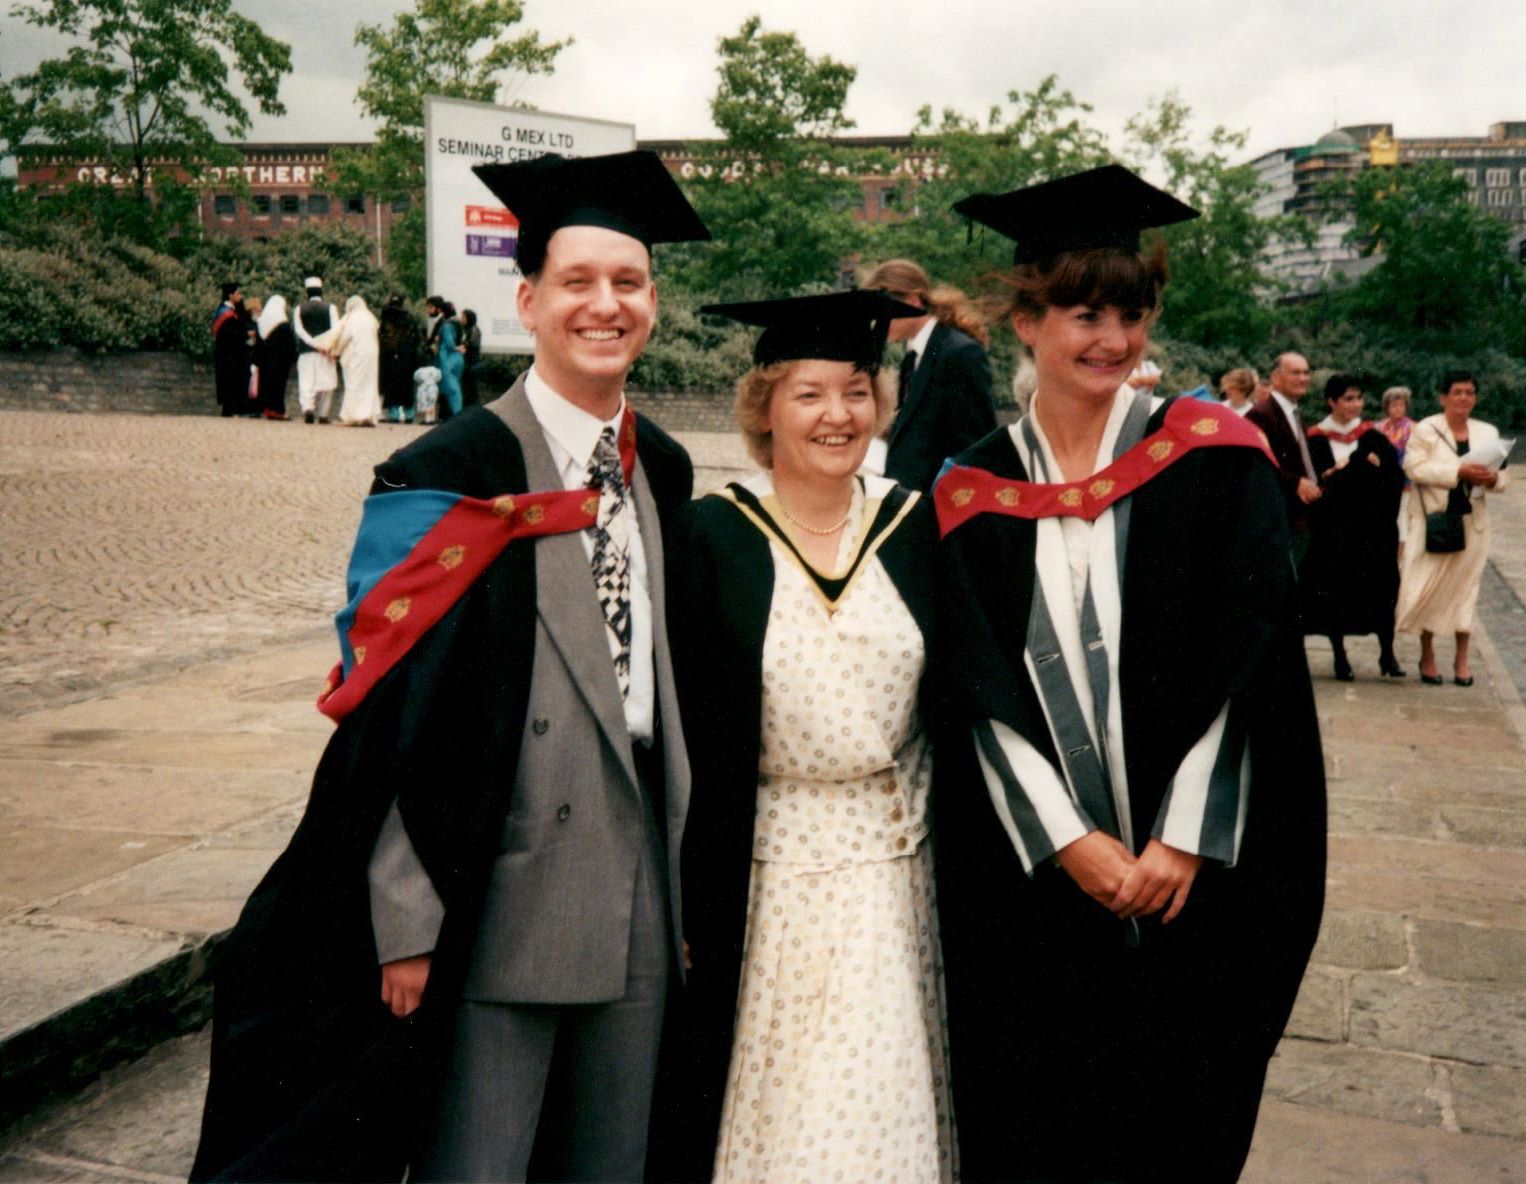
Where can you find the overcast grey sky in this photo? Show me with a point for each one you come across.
(1284, 71)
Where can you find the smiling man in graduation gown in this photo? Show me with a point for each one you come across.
(460, 964)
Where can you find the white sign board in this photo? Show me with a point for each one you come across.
(471, 239)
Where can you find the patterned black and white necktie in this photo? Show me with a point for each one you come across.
(611, 553)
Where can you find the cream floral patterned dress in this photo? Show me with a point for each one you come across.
(839, 1068)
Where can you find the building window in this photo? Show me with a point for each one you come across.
(1468, 175)
(401, 205)
(224, 205)
(291, 204)
(318, 203)
(1497, 177)
(1500, 197)
(355, 204)
(261, 204)
(890, 199)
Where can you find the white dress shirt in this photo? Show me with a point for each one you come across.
(918, 344)
(571, 435)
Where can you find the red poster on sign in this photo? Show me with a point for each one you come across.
(490, 216)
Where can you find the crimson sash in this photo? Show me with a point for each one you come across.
(963, 492)
(1350, 437)
(388, 614)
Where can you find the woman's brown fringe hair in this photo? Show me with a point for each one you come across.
(1097, 277)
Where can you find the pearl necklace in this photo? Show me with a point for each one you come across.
(806, 526)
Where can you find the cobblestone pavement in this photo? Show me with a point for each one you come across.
(134, 545)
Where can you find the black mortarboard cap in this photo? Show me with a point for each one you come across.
(838, 327)
(631, 192)
(1106, 207)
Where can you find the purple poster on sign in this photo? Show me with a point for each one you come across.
(491, 245)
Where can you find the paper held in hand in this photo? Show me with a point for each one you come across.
(1491, 456)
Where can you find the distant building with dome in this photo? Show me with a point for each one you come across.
(1294, 181)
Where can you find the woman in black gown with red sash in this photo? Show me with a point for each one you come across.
(1349, 578)
(1129, 799)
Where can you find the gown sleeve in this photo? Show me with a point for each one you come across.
(1033, 803)
(1204, 808)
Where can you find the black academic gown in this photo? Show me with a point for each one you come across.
(230, 365)
(399, 343)
(1077, 1053)
(312, 1077)
(1349, 578)
(726, 587)
(274, 356)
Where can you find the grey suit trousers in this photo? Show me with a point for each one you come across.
(560, 1091)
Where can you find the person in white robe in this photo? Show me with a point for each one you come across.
(357, 346)
(317, 376)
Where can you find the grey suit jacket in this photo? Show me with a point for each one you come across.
(556, 924)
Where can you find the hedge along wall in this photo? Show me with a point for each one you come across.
(161, 383)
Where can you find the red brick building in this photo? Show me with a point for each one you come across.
(277, 188)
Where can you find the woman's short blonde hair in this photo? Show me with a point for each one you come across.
(755, 389)
(1397, 392)
(1242, 379)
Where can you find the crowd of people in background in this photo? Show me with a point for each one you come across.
(392, 369)
(1390, 519)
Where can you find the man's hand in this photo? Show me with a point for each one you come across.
(1099, 864)
(1308, 492)
(1162, 874)
(403, 984)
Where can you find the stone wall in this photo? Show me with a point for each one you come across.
(67, 380)
(173, 384)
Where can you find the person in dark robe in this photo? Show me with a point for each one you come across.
(1349, 578)
(275, 353)
(399, 339)
(230, 352)
(1129, 802)
(943, 399)
(807, 617)
(471, 357)
(457, 968)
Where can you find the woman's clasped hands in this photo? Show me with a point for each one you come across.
(1160, 878)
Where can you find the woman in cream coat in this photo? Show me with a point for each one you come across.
(1438, 592)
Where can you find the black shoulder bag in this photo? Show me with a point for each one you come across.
(1445, 532)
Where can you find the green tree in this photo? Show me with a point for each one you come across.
(1212, 299)
(456, 49)
(147, 83)
(1446, 280)
(1037, 134)
(778, 197)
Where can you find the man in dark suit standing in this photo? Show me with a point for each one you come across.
(1278, 419)
(944, 402)
(478, 920)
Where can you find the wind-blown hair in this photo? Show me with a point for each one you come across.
(948, 305)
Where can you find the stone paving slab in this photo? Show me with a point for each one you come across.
(1303, 1145)
(39, 967)
(140, 1123)
(141, 820)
